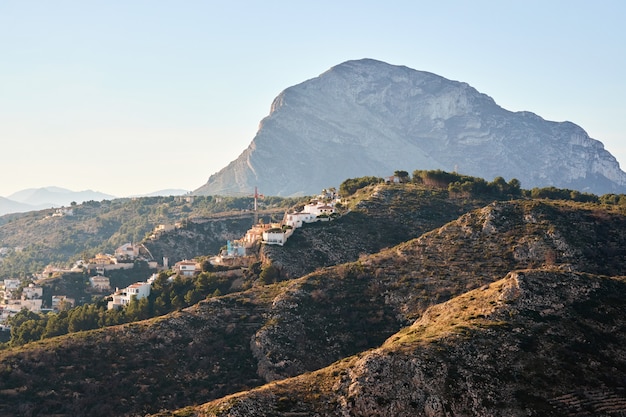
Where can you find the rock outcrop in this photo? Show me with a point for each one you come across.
(536, 343)
(384, 291)
(427, 327)
(367, 117)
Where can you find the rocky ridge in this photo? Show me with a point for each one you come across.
(335, 312)
(536, 343)
(383, 216)
(316, 327)
(367, 117)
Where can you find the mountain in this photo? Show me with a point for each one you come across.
(514, 308)
(166, 192)
(10, 206)
(367, 117)
(32, 199)
(55, 196)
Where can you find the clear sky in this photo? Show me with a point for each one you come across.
(129, 96)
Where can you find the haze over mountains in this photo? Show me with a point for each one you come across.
(41, 198)
(367, 117)
(55, 196)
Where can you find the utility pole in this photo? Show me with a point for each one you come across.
(256, 213)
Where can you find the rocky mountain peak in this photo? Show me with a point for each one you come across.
(367, 117)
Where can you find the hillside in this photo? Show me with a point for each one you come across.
(43, 238)
(536, 343)
(366, 117)
(378, 217)
(202, 236)
(240, 341)
(10, 206)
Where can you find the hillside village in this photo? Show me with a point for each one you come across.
(17, 295)
(238, 252)
(204, 330)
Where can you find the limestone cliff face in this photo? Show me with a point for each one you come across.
(367, 117)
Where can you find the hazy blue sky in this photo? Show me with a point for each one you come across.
(129, 97)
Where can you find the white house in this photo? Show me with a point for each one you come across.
(127, 251)
(10, 286)
(60, 212)
(123, 297)
(296, 220)
(276, 236)
(5, 313)
(100, 283)
(186, 268)
(59, 301)
(318, 209)
(31, 305)
(138, 289)
(32, 292)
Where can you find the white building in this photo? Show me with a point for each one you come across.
(32, 292)
(127, 251)
(10, 287)
(296, 220)
(60, 212)
(11, 284)
(277, 236)
(59, 301)
(122, 298)
(318, 208)
(31, 305)
(100, 283)
(138, 289)
(187, 268)
(5, 314)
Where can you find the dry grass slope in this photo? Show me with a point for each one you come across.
(427, 327)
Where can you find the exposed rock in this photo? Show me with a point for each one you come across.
(200, 236)
(367, 117)
(421, 328)
(375, 296)
(390, 215)
(536, 343)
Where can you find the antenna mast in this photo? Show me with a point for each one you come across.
(256, 213)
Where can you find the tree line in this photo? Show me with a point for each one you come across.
(168, 293)
(459, 185)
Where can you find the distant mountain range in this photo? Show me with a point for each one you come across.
(56, 196)
(46, 197)
(166, 192)
(367, 117)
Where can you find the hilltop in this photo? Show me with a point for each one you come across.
(378, 216)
